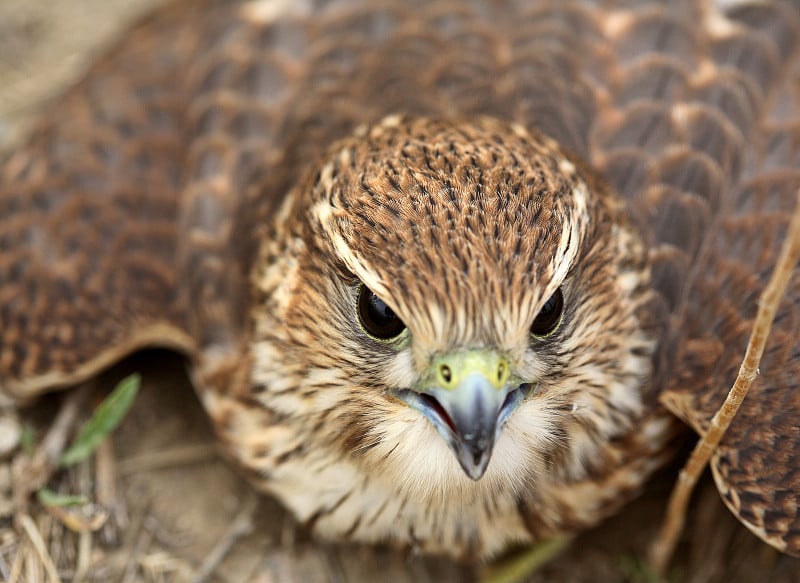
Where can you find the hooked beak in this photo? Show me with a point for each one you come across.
(468, 397)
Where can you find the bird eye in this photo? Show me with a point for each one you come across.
(549, 316)
(377, 319)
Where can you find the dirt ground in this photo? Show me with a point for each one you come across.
(179, 502)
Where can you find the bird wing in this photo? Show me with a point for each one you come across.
(88, 231)
(697, 125)
(702, 136)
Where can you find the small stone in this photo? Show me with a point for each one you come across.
(6, 507)
(10, 433)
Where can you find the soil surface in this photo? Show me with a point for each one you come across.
(180, 503)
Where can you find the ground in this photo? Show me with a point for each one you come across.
(179, 503)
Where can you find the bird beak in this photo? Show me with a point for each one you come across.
(468, 396)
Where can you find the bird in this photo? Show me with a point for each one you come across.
(450, 276)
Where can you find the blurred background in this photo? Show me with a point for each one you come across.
(45, 44)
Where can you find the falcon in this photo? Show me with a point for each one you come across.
(447, 274)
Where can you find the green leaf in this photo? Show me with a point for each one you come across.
(521, 565)
(108, 415)
(638, 570)
(50, 498)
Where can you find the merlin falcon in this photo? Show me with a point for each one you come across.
(448, 275)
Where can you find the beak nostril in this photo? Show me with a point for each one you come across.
(501, 371)
(447, 374)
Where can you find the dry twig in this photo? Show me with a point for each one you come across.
(83, 559)
(108, 495)
(241, 525)
(168, 458)
(16, 566)
(33, 474)
(38, 544)
(664, 545)
(142, 541)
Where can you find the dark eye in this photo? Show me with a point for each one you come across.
(376, 317)
(549, 316)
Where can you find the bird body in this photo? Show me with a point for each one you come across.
(436, 266)
(422, 202)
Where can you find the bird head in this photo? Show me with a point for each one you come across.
(453, 302)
